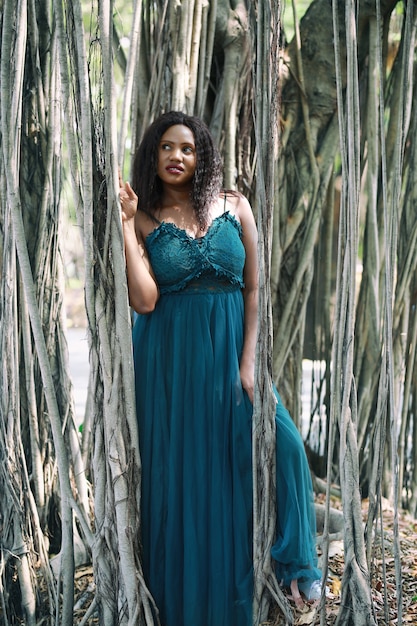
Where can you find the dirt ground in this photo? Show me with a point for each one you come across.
(384, 593)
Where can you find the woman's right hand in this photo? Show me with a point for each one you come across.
(128, 200)
(142, 286)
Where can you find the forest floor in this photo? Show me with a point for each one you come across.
(384, 594)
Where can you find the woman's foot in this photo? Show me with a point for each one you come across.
(295, 593)
(311, 589)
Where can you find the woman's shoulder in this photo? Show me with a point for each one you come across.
(145, 222)
(236, 203)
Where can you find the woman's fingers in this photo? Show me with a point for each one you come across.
(128, 200)
(129, 191)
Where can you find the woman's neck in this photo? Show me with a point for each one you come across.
(176, 197)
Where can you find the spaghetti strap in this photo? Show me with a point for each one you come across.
(149, 214)
(225, 199)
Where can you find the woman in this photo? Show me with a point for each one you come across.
(191, 256)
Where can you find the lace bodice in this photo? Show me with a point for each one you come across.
(180, 261)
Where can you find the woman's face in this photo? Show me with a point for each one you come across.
(177, 157)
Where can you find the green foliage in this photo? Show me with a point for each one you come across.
(301, 7)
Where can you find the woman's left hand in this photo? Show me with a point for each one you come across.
(247, 377)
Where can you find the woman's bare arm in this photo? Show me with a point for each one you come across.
(250, 293)
(142, 286)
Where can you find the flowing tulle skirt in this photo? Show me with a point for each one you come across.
(195, 442)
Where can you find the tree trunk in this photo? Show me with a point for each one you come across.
(36, 388)
(122, 597)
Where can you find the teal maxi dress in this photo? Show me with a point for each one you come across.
(195, 439)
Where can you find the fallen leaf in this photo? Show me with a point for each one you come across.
(306, 618)
(336, 586)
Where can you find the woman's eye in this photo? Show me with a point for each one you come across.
(188, 150)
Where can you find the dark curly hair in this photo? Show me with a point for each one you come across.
(207, 181)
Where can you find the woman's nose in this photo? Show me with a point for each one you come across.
(176, 154)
